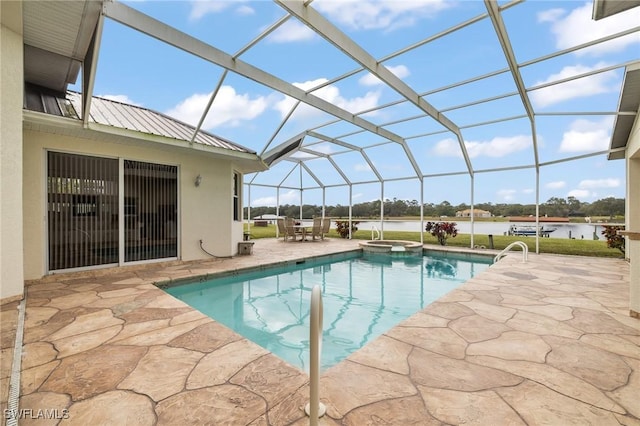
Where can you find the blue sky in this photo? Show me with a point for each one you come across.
(573, 118)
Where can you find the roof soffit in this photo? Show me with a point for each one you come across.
(605, 8)
(57, 35)
(627, 110)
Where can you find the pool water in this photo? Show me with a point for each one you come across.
(363, 295)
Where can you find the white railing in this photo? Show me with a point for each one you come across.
(315, 409)
(525, 251)
(377, 233)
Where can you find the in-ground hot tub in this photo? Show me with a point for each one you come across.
(391, 246)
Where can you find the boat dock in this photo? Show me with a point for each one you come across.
(529, 230)
(556, 219)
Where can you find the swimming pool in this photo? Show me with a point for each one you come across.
(364, 295)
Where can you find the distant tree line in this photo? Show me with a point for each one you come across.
(554, 206)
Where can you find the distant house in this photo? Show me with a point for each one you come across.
(265, 219)
(476, 213)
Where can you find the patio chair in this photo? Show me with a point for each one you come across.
(289, 226)
(326, 224)
(282, 230)
(316, 230)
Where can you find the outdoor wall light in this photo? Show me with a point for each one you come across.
(198, 180)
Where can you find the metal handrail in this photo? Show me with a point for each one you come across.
(375, 229)
(525, 251)
(315, 409)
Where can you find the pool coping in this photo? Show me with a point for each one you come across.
(286, 263)
(249, 269)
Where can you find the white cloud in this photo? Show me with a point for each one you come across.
(300, 155)
(362, 167)
(359, 103)
(290, 197)
(245, 10)
(383, 14)
(581, 194)
(600, 183)
(330, 94)
(325, 148)
(586, 136)
(550, 15)
(291, 31)
(369, 79)
(506, 194)
(587, 188)
(200, 8)
(579, 88)
(528, 191)
(496, 147)
(120, 98)
(447, 148)
(229, 108)
(396, 167)
(576, 27)
(264, 201)
(556, 185)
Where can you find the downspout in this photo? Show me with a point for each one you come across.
(537, 210)
(382, 210)
(277, 208)
(248, 212)
(422, 210)
(350, 208)
(472, 210)
(300, 166)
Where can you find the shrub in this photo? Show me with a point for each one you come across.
(614, 240)
(442, 230)
(342, 226)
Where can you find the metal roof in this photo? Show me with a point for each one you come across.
(124, 116)
(139, 119)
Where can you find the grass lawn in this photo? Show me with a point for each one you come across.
(547, 245)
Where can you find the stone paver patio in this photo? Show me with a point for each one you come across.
(547, 342)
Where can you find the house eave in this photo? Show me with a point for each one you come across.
(245, 162)
(628, 107)
(605, 8)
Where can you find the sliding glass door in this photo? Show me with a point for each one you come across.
(84, 215)
(150, 210)
(82, 210)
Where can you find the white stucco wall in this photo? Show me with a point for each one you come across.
(206, 211)
(11, 71)
(632, 214)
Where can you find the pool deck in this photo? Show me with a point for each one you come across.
(547, 342)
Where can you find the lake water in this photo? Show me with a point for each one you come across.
(562, 230)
